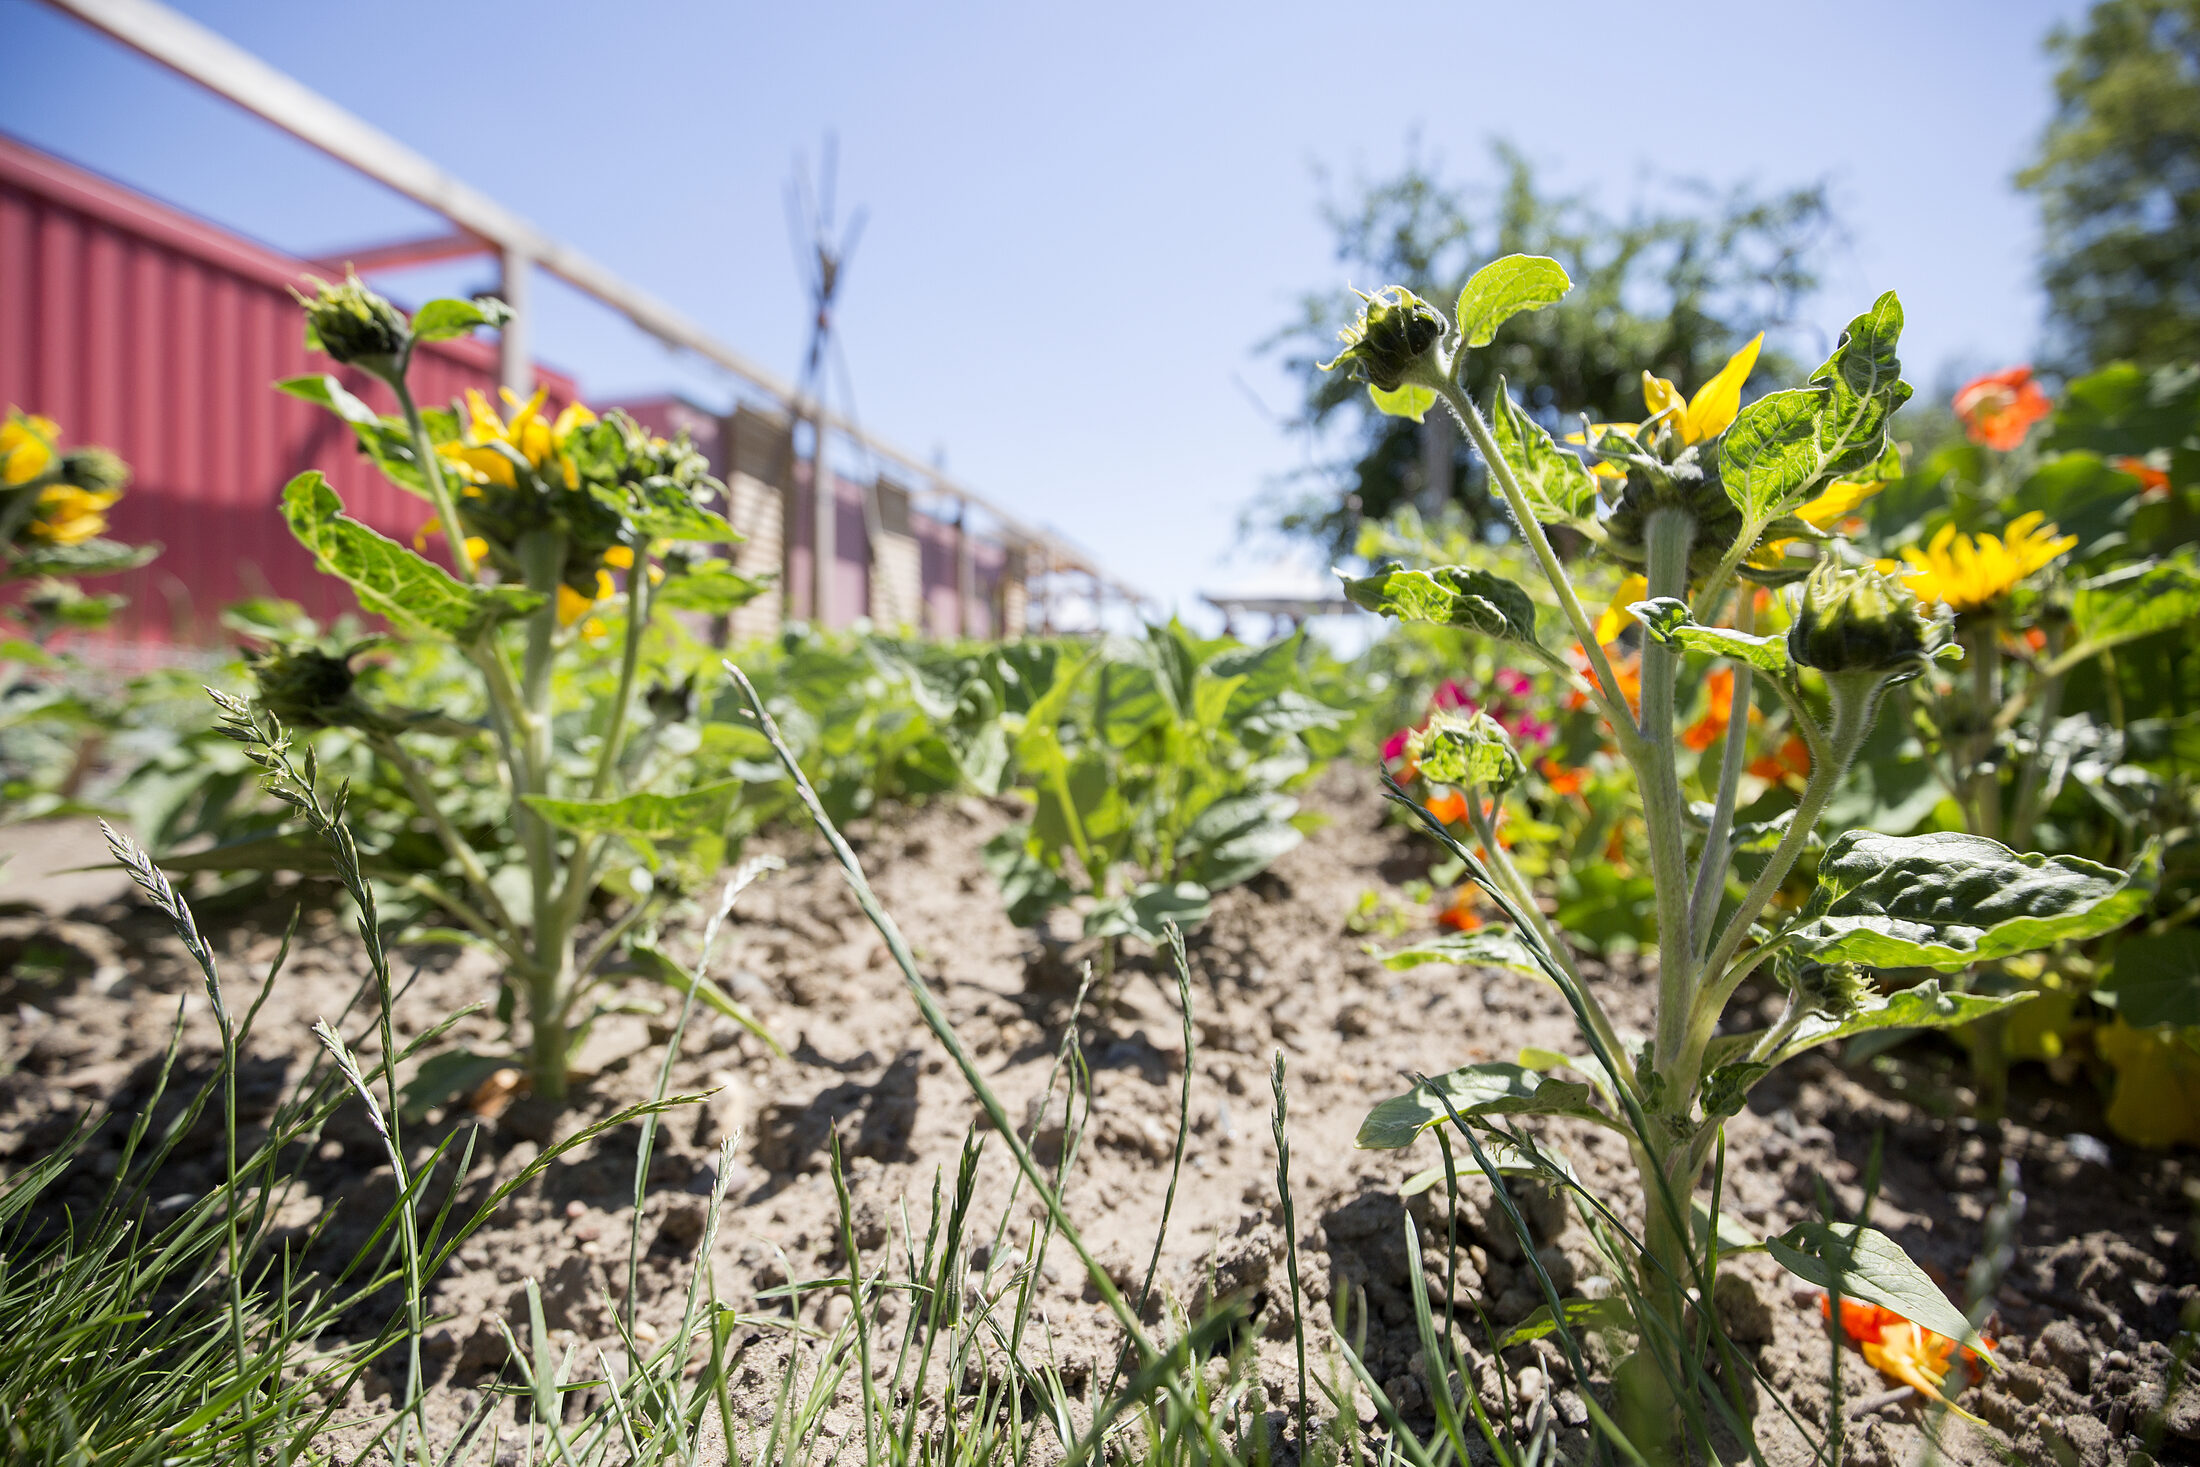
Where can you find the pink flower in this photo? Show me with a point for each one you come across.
(1450, 694)
(1394, 747)
(1513, 683)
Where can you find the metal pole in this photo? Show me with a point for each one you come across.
(515, 354)
(966, 573)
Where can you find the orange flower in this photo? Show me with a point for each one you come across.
(1450, 807)
(1900, 1349)
(1627, 668)
(1793, 758)
(1559, 779)
(2000, 408)
(2153, 482)
(1460, 916)
(2035, 639)
(1711, 728)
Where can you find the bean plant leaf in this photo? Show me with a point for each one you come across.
(1029, 887)
(1237, 837)
(1948, 900)
(1451, 596)
(1148, 910)
(1559, 487)
(391, 581)
(2155, 980)
(443, 1077)
(656, 963)
(1667, 619)
(2136, 601)
(1490, 947)
(700, 811)
(1786, 443)
(1864, 1263)
(1406, 401)
(1492, 1089)
(1504, 288)
(440, 320)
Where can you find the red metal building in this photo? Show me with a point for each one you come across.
(159, 336)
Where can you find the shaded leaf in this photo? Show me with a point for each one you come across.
(1922, 1006)
(2155, 980)
(1029, 887)
(446, 1075)
(1864, 1263)
(1580, 1314)
(712, 587)
(655, 962)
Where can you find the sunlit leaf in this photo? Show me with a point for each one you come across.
(1488, 947)
(1785, 444)
(1503, 289)
(1580, 1314)
(1496, 1088)
(1667, 619)
(2136, 601)
(670, 971)
(1948, 900)
(390, 580)
(1864, 1263)
(1452, 596)
(1407, 401)
(1559, 488)
(643, 816)
(440, 320)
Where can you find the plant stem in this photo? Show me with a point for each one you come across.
(1613, 702)
(542, 556)
(454, 841)
(1670, 536)
(2026, 812)
(1854, 703)
(1500, 861)
(1711, 865)
(1982, 775)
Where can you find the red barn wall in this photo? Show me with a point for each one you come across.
(137, 327)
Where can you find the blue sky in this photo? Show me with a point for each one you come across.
(1082, 221)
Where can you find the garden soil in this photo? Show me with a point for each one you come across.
(2084, 1316)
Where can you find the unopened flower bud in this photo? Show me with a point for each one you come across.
(1465, 749)
(1395, 330)
(94, 470)
(1836, 990)
(357, 327)
(1861, 621)
(307, 688)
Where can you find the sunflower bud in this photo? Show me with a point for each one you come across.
(1395, 330)
(357, 327)
(94, 470)
(1861, 621)
(307, 688)
(1465, 749)
(1836, 990)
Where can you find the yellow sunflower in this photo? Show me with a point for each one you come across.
(1973, 574)
(493, 448)
(68, 515)
(1713, 408)
(26, 447)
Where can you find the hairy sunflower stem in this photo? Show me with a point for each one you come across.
(1670, 537)
(1711, 865)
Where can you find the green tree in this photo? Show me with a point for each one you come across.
(1674, 289)
(2118, 179)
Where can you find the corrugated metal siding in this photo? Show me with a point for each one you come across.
(159, 336)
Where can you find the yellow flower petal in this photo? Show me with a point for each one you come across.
(620, 557)
(477, 547)
(572, 605)
(1838, 502)
(1713, 407)
(1660, 396)
(2157, 1099)
(1616, 618)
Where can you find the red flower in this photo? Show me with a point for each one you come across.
(1449, 807)
(1792, 758)
(1559, 779)
(1460, 916)
(2000, 408)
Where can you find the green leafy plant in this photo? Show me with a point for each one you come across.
(585, 771)
(1702, 499)
(1160, 772)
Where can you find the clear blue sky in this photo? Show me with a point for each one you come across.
(1082, 220)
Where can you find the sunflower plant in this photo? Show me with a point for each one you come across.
(572, 539)
(1703, 500)
(53, 526)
